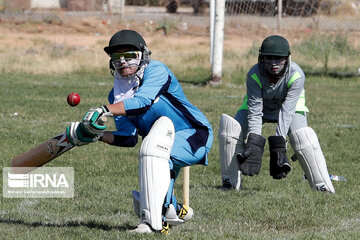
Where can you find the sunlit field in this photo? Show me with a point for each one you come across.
(39, 71)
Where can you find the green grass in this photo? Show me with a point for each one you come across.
(105, 175)
(328, 53)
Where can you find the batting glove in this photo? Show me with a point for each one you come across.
(77, 135)
(92, 118)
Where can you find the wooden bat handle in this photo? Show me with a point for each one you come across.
(186, 181)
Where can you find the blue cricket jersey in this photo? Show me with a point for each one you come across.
(160, 94)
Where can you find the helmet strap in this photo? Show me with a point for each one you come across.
(146, 53)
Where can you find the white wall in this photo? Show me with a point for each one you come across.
(117, 6)
(45, 3)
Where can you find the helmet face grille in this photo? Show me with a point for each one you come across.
(275, 46)
(131, 42)
(125, 38)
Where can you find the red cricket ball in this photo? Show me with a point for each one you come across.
(73, 99)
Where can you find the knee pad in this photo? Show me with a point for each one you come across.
(154, 171)
(307, 148)
(230, 142)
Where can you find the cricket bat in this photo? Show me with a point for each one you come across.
(186, 182)
(44, 153)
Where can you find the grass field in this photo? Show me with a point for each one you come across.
(36, 76)
(105, 176)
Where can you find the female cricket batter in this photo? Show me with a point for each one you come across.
(147, 100)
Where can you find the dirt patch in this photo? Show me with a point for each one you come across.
(92, 30)
(73, 43)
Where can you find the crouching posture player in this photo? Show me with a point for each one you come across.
(147, 100)
(275, 94)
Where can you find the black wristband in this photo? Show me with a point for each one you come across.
(106, 108)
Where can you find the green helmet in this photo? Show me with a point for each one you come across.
(275, 46)
(125, 38)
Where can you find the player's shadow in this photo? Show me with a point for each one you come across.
(88, 224)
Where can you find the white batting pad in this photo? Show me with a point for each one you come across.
(307, 148)
(230, 142)
(154, 171)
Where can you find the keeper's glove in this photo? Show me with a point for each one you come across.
(250, 159)
(279, 163)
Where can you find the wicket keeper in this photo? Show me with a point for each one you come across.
(275, 94)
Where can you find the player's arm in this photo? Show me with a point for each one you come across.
(250, 159)
(279, 163)
(288, 107)
(156, 81)
(125, 135)
(117, 109)
(118, 140)
(255, 104)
